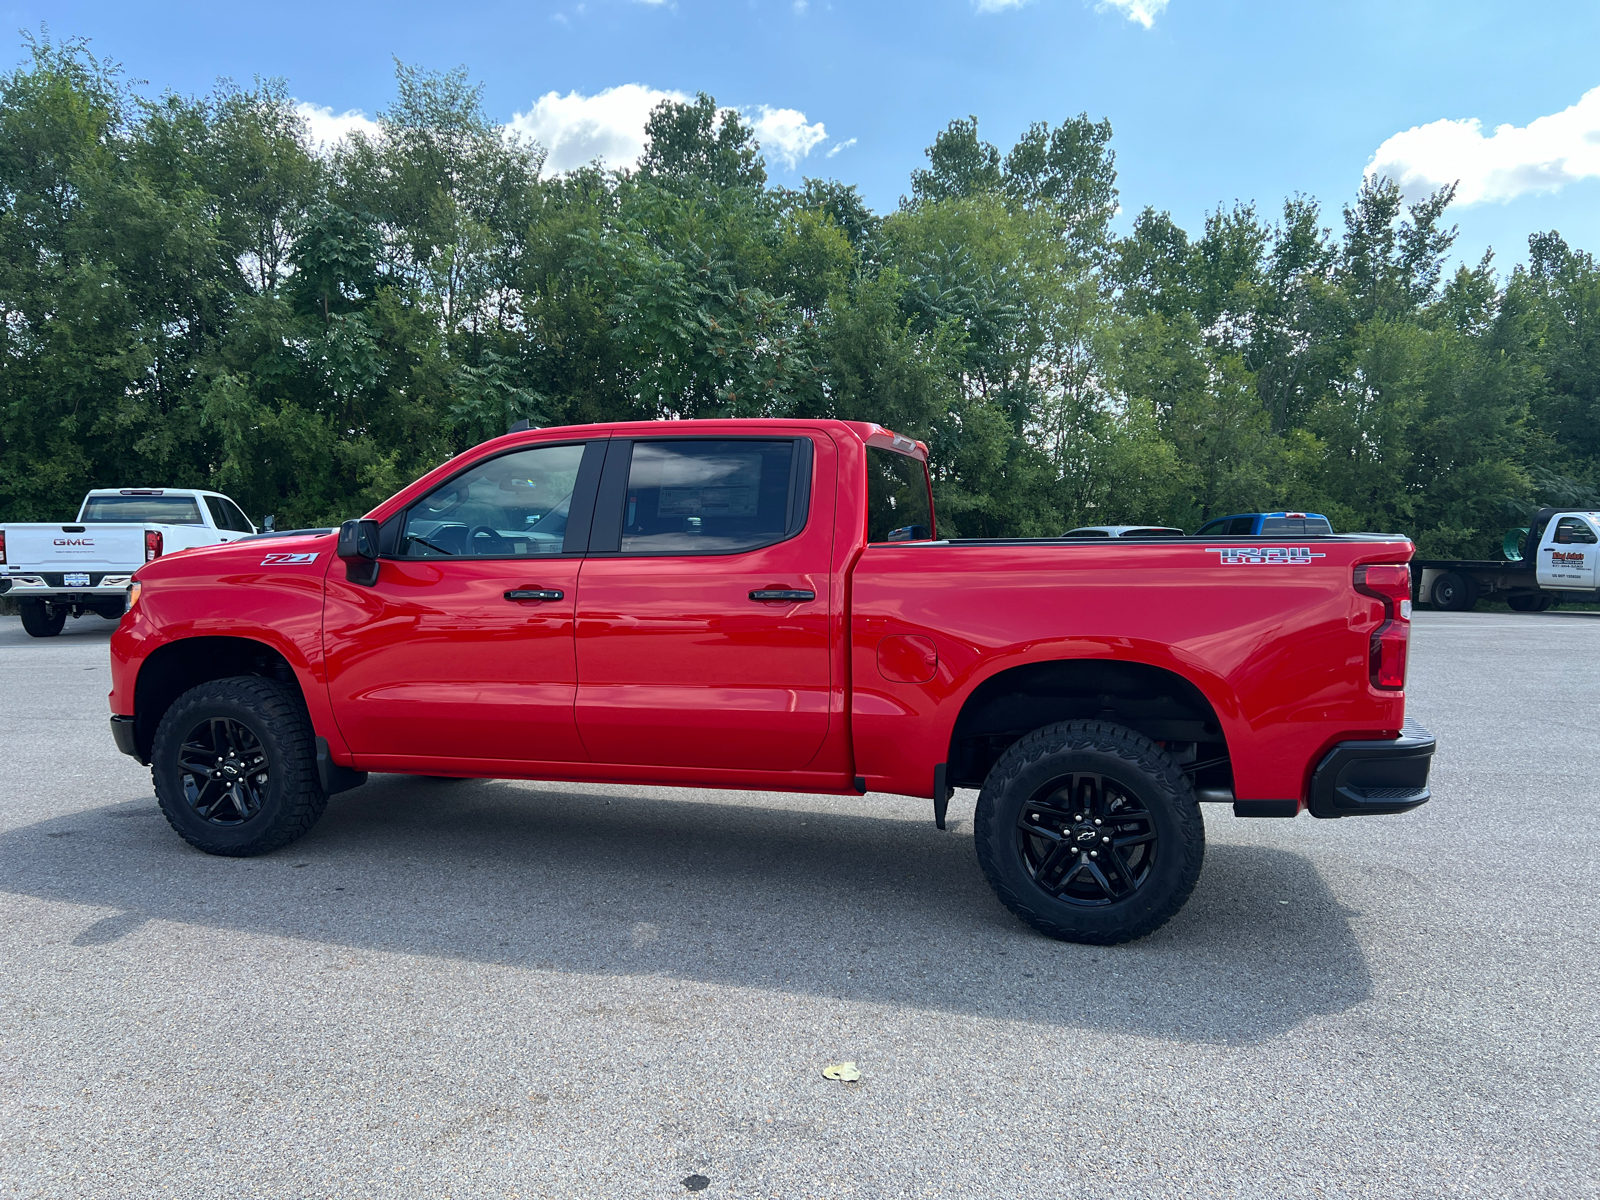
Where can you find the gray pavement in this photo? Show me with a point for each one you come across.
(526, 990)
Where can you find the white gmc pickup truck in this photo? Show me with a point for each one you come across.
(53, 571)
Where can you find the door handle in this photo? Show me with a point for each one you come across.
(783, 594)
(534, 594)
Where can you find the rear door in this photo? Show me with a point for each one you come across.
(462, 650)
(702, 626)
(1568, 553)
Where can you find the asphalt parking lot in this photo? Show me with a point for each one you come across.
(516, 990)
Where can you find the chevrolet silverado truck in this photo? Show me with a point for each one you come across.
(54, 571)
(766, 604)
(1554, 559)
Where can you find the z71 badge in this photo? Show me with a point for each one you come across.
(288, 560)
(1267, 556)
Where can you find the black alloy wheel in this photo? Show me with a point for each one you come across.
(225, 771)
(1087, 840)
(234, 763)
(1089, 832)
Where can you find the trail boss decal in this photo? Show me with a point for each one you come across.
(288, 560)
(1264, 556)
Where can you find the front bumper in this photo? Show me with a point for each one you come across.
(1369, 779)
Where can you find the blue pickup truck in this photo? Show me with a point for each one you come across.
(1278, 524)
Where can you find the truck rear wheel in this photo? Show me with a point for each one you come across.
(1454, 592)
(235, 767)
(40, 620)
(1089, 832)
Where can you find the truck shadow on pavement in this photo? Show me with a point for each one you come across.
(638, 882)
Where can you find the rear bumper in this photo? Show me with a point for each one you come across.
(1369, 779)
(36, 587)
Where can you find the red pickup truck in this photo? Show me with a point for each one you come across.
(766, 604)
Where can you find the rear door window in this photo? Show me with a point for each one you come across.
(898, 506)
(712, 496)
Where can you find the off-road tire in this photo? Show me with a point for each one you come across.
(1038, 763)
(292, 798)
(41, 621)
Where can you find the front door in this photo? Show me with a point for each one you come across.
(1567, 557)
(463, 649)
(703, 631)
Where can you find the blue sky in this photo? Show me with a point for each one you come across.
(1210, 100)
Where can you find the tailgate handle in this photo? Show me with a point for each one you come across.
(534, 594)
(783, 594)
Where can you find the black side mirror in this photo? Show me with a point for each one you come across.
(266, 523)
(358, 546)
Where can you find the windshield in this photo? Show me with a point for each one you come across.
(161, 510)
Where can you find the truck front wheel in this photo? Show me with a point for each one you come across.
(1089, 832)
(40, 620)
(235, 767)
(1454, 592)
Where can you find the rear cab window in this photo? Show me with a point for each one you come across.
(155, 510)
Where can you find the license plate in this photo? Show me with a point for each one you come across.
(75, 580)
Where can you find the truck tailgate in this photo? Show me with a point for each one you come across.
(74, 547)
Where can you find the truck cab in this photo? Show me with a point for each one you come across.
(1278, 524)
(1568, 550)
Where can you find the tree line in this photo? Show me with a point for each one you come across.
(193, 293)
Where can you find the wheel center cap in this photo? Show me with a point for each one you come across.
(1084, 834)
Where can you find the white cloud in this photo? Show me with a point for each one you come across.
(1543, 156)
(783, 133)
(844, 145)
(328, 128)
(1144, 12)
(576, 129)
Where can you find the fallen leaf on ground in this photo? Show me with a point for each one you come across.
(842, 1071)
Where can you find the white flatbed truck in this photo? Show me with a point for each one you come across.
(1555, 560)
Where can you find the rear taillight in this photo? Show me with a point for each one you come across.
(2, 547)
(1386, 657)
(152, 545)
